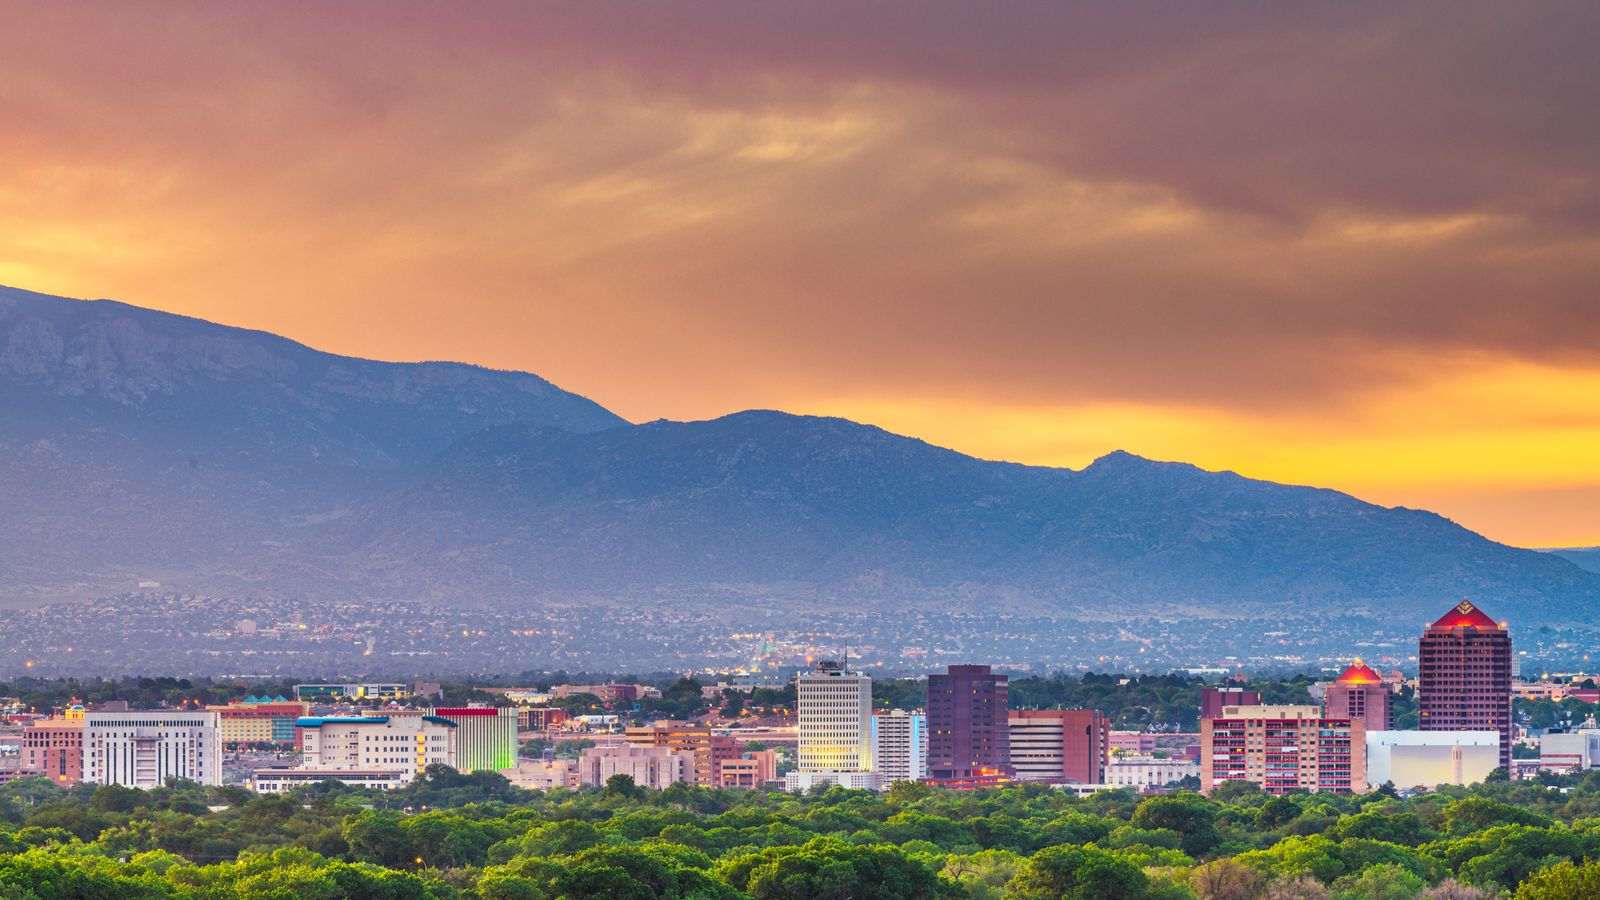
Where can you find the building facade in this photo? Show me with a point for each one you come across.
(708, 749)
(1144, 773)
(968, 733)
(899, 747)
(748, 770)
(54, 748)
(1213, 699)
(542, 775)
(1564, 751)
(397, 743)
(1360, 693)
(1464, 676)
(260, 724)
(278, 781)
(1059, 746)
(651, 767)
(486, 736)
(834, 709)
(144, 749)
(1283, 749)
(1428, 759)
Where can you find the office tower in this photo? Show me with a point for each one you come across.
(968, 736)
(899, 747)
(1464, 680)
(486, 739)
(1283, 749)
(708, 749)
(834, 706)
(1360, 694)
(144, 749)
(1060, 746)
(1213, 699)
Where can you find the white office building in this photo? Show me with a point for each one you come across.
(834, 707)
(1564, 751)
(1142, 773)
(1427, 759)
(899, 747)
(144, 749)
(393, 743)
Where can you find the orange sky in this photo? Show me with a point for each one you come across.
(1352, 246)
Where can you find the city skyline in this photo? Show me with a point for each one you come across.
(1345, 248)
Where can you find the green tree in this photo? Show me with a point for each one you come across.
(1078, 873)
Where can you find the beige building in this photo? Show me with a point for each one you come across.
(1283, 749)
(144, 749)
(542, 775)
(393, 743)
(651, 767)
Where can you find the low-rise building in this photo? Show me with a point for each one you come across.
(1427, 759)
(749, 770)
(260, 723)
(389, 743)
(801, 782)
(1058, 746)
(542, 775)
(144, 749)
(1147, 772)
(1564, 751)
(278, 781)
(53, 748)
(707, 748)
(652, 767)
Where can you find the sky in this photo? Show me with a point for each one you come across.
(1354, 245)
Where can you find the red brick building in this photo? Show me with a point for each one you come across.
(969, 741)
(1059, 746)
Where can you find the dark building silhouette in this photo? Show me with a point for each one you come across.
(1464, 683)
(968, 737)
(1360, 694)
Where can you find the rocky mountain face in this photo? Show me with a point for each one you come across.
(138, 445)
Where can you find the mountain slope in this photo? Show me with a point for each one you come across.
(142, 444)
(828, 509)
(1586, 558)
(137, 445)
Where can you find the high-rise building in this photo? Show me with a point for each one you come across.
(1283, 749)
(1464, 676)
(968, 735)
(1360, 693)
(899, 747)
(834, 707)
(486, 739)
(144, 749)
(1060, 746)
(708, 749)
(1213, 699)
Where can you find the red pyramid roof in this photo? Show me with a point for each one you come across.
(1360, 673)
(1465, 614)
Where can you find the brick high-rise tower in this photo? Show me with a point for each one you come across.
(968, 737)
(1465, 678)
(1360, 694)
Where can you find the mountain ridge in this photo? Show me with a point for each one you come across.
(243, 462)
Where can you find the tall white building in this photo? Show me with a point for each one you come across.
(835, 712)
(144, 749)
(486, 740)
(899, 747)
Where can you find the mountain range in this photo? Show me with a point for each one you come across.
(139, 446)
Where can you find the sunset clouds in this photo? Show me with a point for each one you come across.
(1355, 245)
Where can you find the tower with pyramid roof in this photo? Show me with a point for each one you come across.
(1464, 677)
(1360, 694)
